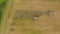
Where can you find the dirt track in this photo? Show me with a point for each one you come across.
(6, 19)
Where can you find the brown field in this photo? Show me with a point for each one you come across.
(44, 25)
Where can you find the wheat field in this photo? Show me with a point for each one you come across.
(45, 24)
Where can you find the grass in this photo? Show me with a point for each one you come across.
(52, 0)
(25, 24)
(30, 31)
(2, 5)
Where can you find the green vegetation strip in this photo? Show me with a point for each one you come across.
(2, 5)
